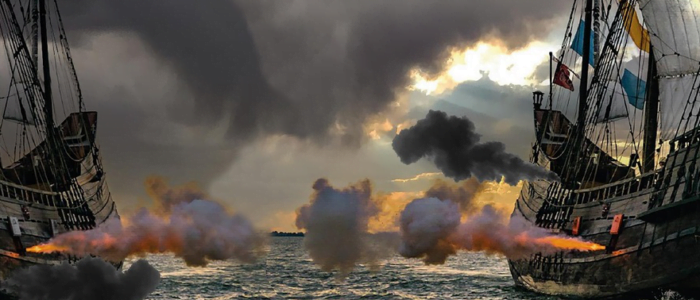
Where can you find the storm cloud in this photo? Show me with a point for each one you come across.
(259, 68)
(455, 148)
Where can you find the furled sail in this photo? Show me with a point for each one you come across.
(674, 27)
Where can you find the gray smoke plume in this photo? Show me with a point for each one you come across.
(197, 231)
(431, 230)
(425, 223)
(88, 279)
(455, 148)
(336, 224)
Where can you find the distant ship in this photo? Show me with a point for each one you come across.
(628, 161)
(52, 179)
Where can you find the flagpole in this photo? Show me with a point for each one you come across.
(551, 80)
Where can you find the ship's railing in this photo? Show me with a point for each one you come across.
(686, 139)
(680, 174)
(644, 182)
(617, 189)
(26, 194)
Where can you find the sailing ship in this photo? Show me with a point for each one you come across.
(52, 180)
(625, 145)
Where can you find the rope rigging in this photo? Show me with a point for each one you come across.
(62, 158)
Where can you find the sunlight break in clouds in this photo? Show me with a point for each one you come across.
(503, 67)
(417, 177)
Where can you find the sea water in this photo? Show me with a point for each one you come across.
(287, 272)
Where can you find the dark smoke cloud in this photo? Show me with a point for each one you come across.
(89, 279)
(455, 148)
(336, 223)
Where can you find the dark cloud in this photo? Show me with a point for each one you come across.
(541, 72)
(89, 279)
(360, 61)
(455, 148)
(164, 75)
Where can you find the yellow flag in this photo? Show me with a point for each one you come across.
(639, 35)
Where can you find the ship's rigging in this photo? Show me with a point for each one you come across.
(629, 163)
(632, 137)
(43, 89)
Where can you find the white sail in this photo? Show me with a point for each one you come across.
(674, 27)
(673, 102)
(675, 34)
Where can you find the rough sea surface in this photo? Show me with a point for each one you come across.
(288, 273)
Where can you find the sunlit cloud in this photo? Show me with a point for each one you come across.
(417, 177)
(502, 66)
(391, 121)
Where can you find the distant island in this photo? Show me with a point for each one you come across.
(276, 233)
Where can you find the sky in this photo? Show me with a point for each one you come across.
(256, 100)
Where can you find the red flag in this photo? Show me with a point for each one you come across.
(561, 77)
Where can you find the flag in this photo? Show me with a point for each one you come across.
(639, 35)
(556, 60)
(561, 77)
(635, 89)
(577, 44)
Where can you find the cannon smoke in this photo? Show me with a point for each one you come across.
(88, 279)
(196, 230)
(454, 146)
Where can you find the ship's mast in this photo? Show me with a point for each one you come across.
(48, 96)
(34, 5)
(651, 123)
(583, 91)
(596, 31)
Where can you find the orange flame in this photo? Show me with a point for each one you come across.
(47, 248)
(569, 243)
(559, 242)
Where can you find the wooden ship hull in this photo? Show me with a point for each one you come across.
(32, 215)
(39, 223)
(649, 224)
(55, 181)
(645, 212)
(649, 251)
